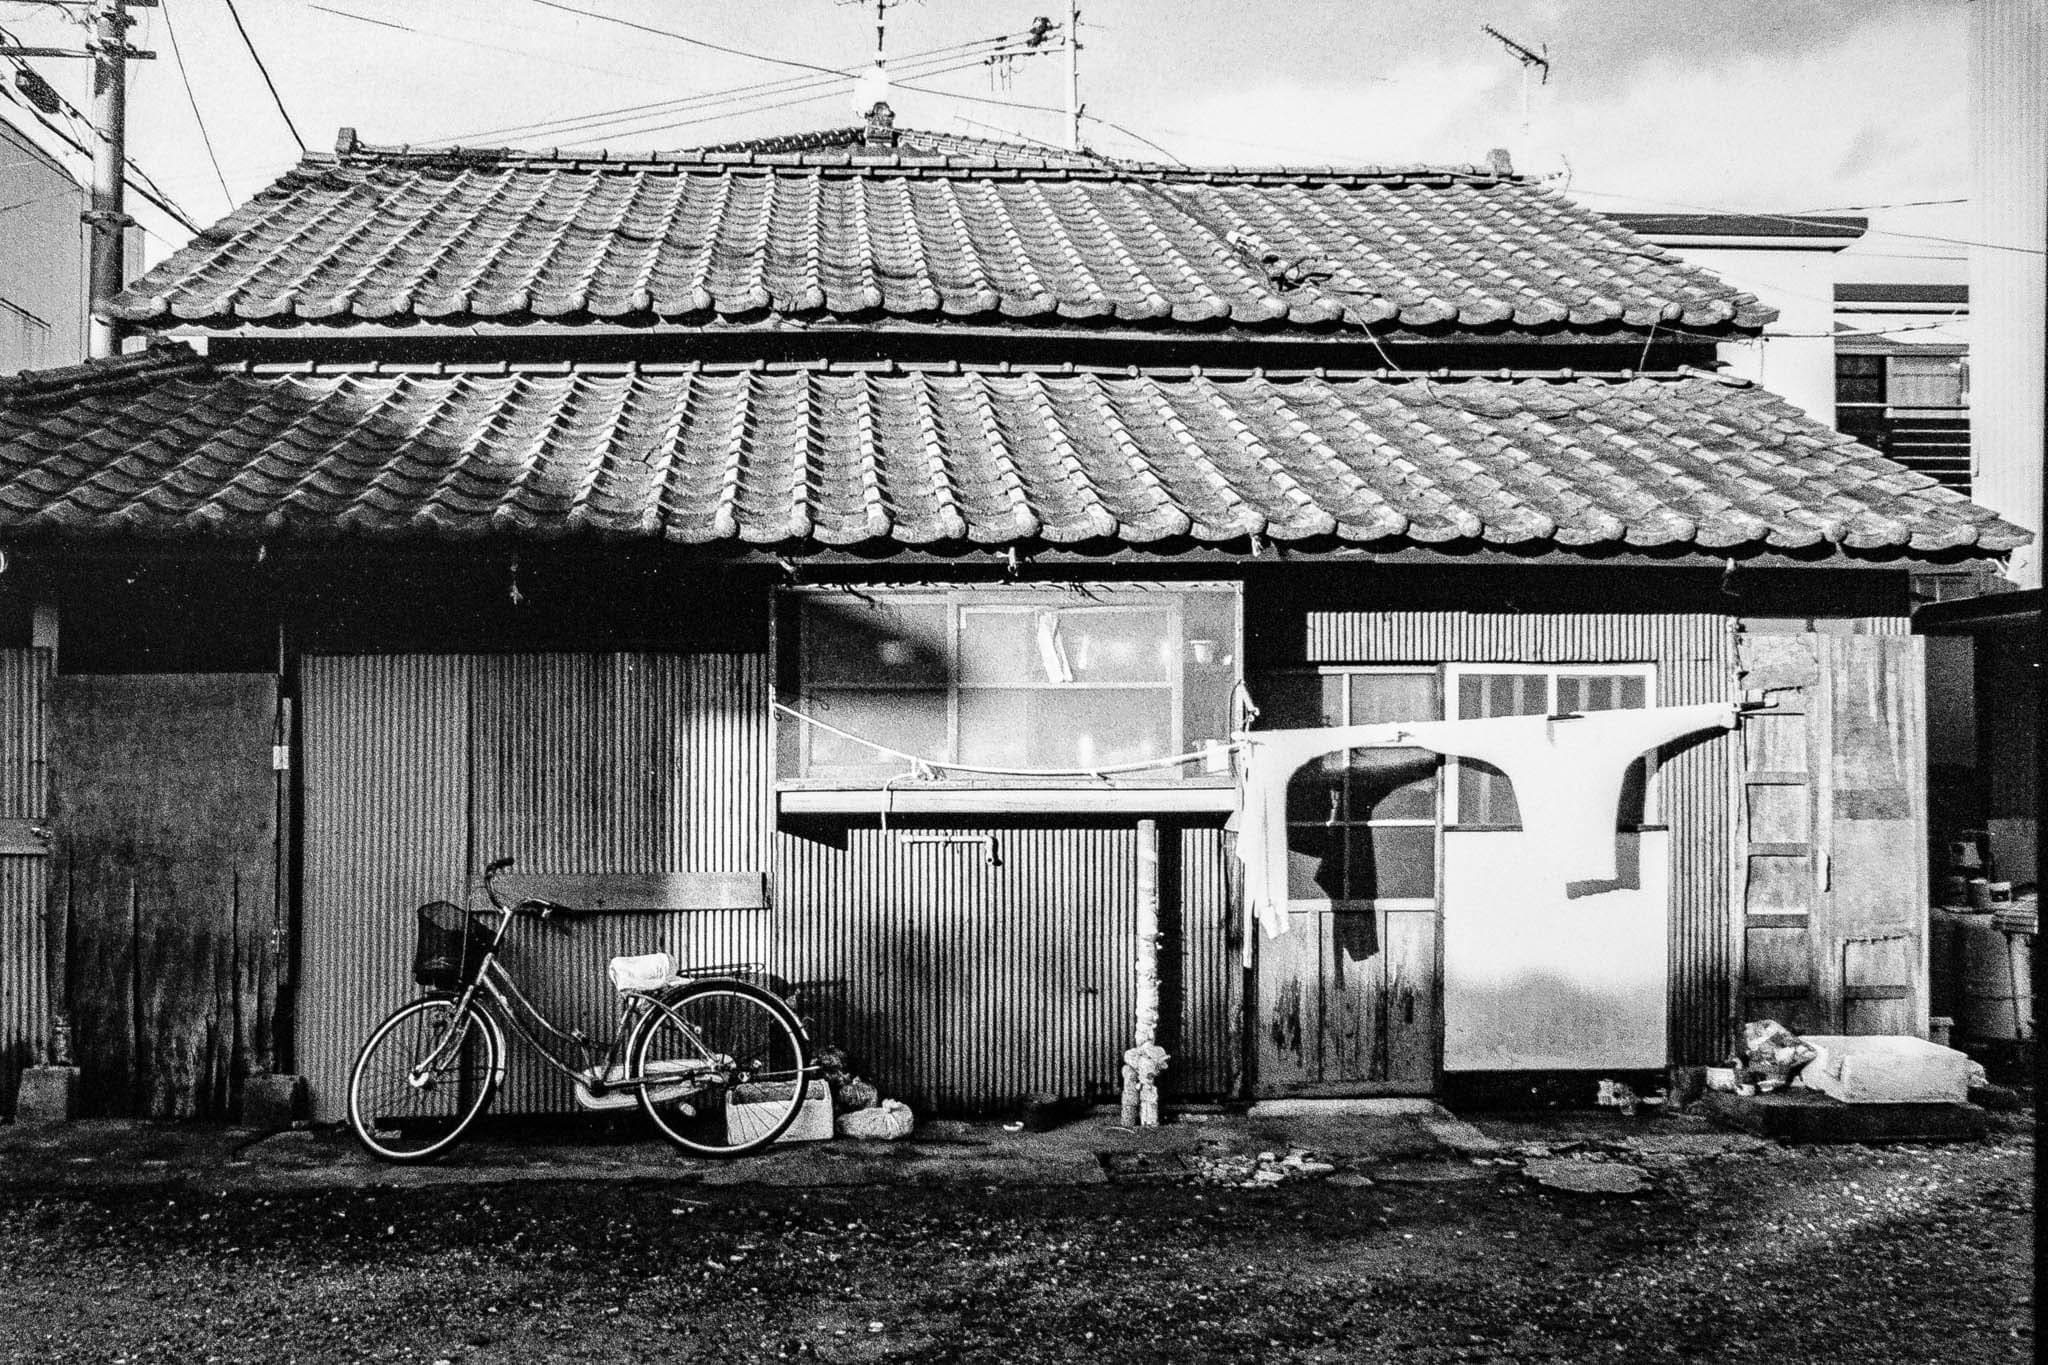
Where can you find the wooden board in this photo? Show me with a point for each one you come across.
(1834, 902)
(164, 810)
(1348, 1003)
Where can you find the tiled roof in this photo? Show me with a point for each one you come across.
(855, 233)
(167, 445)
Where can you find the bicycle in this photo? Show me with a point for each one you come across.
(720, 1065)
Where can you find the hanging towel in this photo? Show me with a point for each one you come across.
(1567, 772)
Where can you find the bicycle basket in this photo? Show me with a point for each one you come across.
(449, 948)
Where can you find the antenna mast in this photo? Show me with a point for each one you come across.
(1529, 60)
(1073, 75)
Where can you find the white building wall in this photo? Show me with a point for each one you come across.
(1796, 359)
(42, 259)
(2008, 273)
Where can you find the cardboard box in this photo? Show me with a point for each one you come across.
(750, 1107)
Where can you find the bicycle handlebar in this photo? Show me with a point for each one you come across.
(534, 905)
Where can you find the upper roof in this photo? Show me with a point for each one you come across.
(882, 456)
(1832, 230)
(1907, 295)
(934, 228)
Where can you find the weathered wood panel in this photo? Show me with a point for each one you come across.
(1834, 785)
(25, 995)
(165, 818)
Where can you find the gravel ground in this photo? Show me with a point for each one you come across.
(1849, 1254)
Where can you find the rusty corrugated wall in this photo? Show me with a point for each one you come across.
(1695, 658)
(24, 877)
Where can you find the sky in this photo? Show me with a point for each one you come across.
(1774, 106)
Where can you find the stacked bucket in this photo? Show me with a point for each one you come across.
(1980, 950)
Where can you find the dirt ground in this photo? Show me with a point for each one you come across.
(1840, 1254)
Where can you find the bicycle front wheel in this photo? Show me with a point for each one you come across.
(724, 1066)
(422, 1079)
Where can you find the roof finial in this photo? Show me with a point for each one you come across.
(881, 129)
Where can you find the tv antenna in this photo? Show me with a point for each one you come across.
(1529, 60)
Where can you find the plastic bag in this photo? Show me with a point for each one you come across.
(886, 1122)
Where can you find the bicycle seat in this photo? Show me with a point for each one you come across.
(647, 972)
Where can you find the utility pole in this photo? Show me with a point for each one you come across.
(109, 54)
(1073, 75)
(108, 218)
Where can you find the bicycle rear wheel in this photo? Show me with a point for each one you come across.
(422, 1078)
(726, 1065)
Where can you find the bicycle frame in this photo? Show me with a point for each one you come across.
(494, 982)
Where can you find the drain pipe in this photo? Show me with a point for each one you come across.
(1146, 1059)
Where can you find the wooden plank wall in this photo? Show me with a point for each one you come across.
(24, 866)
(165, 874)
(1835, 821)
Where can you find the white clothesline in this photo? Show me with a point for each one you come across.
(928, 769)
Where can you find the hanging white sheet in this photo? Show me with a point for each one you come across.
(1567, 772)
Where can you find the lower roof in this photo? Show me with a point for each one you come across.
(881, 456)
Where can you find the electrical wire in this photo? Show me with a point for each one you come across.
(679, 37)
(205, 137)
(147, 189)
(740, 101)
(257, 57)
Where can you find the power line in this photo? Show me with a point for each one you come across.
(147, 188)
(730, 95)
(681, 38)
(257, 57)
(1793, 218)
(171, 32)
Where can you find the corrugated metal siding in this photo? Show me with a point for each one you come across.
(1695, 658)
(960, 986)
(386, 789)
(24, 879)
(1207, 1063)
(592, 763)
(954, 984)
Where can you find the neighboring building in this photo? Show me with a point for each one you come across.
(2008, 268)
(43, 294)
(1902, 366)
(1790, 264)
(597, 509)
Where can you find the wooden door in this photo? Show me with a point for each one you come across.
(165, 815)
(1835, 825)
(1347, 1003)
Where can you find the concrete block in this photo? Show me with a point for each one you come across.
(1809, 1116)
(1889, 1069)
(273, 1103)
(48, 1094)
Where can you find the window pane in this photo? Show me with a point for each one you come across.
(1044, 728)
(914, 722)
(1315, 862)
(1114, 645)
(1289, 701)
(1002, 649)
(1391, 862)
(1485, 796)
(1599, 692)
(1926, 381)
(879, 644)
(1378, 698)
(1392, 784)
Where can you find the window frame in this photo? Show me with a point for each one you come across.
(1435, 821)
(1194, 790)
(1455, 673)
